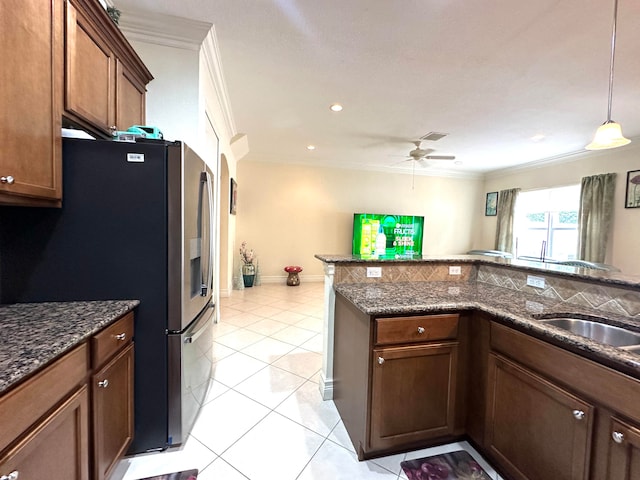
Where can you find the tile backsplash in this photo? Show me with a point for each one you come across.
(574, 291)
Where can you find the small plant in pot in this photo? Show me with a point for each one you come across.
(248, 268)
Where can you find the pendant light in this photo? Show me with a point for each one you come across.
(609, 134)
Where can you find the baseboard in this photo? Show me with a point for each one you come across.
(326, 388)
(282, 279)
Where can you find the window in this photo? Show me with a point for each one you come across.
(546, 224)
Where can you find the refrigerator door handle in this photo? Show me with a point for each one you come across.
(194, 336)
(209, 181)
(206, 279)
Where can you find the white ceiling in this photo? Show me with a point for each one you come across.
(491, 74)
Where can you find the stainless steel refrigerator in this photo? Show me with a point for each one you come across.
(136, 222)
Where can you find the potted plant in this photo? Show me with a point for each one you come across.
(248, 268)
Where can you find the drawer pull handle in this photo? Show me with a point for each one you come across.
(12, 476)
(578, 414)
(103, 383)
(618, 437)
(380, 360)
(121, 336)
(420, 330)
(9, 180)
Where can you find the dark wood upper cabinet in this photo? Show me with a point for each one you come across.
(105, 80)
(31, 33)
(65, 62)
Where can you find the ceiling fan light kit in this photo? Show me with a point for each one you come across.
(609, 134)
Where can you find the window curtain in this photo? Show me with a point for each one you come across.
(506, 212)
(594, 216)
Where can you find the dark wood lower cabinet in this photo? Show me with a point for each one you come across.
(57, 448)
(534, 410)
(112, 412)
(624, 451)
(399, 381)
(535, 429)
(413, 393)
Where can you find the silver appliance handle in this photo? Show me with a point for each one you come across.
(211, 220)
(193, 336)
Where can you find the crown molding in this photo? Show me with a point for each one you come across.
(161, 29)
(211, 55)
(560, 159)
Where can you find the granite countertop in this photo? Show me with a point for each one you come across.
(34, 334)
(512, 308)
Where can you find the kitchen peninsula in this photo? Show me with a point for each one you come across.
(433, 350)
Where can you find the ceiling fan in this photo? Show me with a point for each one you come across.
(420, 155)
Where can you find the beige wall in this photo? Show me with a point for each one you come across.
(288, 213)
(623, 249)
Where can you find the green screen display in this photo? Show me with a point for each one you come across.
(392, 236)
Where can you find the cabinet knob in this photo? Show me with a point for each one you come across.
(12, 476)
(103, 383)
(618, 437)
(121, 336)
(578, 414)
(380, 360)
(9, 180)
(420, 329)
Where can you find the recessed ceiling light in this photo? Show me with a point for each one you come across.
(311, 147)
(458, 162)
(538, 138)
(336, 107)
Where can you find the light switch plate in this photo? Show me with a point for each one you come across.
(374, 272)
(533, 281)
(455, 270)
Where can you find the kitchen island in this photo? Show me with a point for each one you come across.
(435, 350)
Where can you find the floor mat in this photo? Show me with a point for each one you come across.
(186, 475)
(448, 466)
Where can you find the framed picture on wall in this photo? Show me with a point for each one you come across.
(491, 206)
(234, 197)
(632, 197)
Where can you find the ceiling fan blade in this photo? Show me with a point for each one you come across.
(440, 157)
(401, 161)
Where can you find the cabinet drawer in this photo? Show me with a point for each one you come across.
(423, 328)
(25, 404)
(110, 340)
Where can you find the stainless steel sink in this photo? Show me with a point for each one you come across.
(600, 332)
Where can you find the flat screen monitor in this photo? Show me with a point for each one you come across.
(378, 235)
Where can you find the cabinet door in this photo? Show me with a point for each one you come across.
(57, 448)
(112, 389)
(90, 75)
(624, 452)
(536, 430)
(130, 98)
(30, 101)
(413, 393)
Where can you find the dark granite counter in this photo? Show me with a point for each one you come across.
(34, 334)
(600, 276)
(516, 309)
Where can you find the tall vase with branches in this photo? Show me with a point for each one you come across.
(248, 268)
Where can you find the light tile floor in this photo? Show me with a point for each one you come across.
(264, 418)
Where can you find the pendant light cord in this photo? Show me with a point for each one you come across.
(613, 53)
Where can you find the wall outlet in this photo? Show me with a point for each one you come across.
(534, 281)
(457, 270)
(374, 272)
